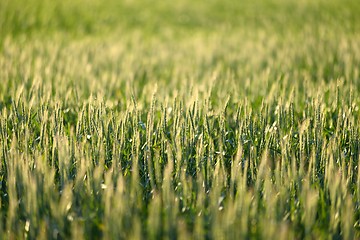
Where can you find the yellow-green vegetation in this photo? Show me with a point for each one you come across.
(183, 119)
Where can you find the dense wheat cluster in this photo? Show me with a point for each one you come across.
(179, 120)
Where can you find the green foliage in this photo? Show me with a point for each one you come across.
(162, 119)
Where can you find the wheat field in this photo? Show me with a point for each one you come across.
(179, 120)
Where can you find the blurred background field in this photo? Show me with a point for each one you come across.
(154, 17)
(176, 119)
(124, 44)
